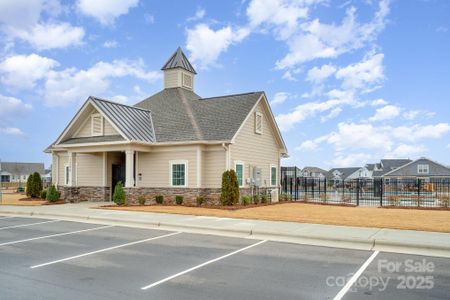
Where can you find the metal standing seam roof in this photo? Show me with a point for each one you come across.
(178, 60)
(93, 139)
(135, 123)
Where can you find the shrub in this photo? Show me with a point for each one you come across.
(264, 198)
(179, 199)
(36, 185)
(256, 199)
(29, 185)
(200, 200)
(141, 199)
(44, 194)
(119, 196)
(52, 194)
(245, 200)
(230, 188)
(159, 199)
(284, 197)
(445, 200)
(324, 198)
(346, 199)
(394, 200)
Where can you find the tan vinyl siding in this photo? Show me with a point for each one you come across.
(172, 78)
(256, 150)
(63, 160)
(86, 128)
(155, 166)
(213, 165)
(89, 169)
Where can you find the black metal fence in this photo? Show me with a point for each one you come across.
(407, 192)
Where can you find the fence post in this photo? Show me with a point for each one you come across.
(295, 184)
(419, 183)
(325, 187)
(290, 187)
(357, 191)
(381, 191)
(305, 181)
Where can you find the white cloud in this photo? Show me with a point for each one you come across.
(385, 113)
(319, 40)
(120, 98)
(351, 160)
(199, 14)
(11, 131)
(105, 11)
(71, 85)
(418, 132)
(318, 75)
(11, 108)
(110, 44)
(308, 145)
(378, 102)
(279, 98)
(22, 71)
(362, 74)
(20, 13)
(149, 19)
(333, 114)
(50, 35)
(406, 151)
(206, 44)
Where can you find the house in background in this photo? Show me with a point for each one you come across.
(422, 168)
(314, 172)
(172, 143)
(385, 166)
(18, 171)
(338, 175)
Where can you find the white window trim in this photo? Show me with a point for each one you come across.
(67, 176)
(420, 167)
(238, 162)
(276, 174)
(92, 124)
(186, 172)
(258, 114)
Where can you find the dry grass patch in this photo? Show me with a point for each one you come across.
(10, 198)
(412, 219)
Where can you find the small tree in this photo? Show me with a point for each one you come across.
(29, 185)
(230, 188)
(52, 194)
(36, 185)
(119, 196)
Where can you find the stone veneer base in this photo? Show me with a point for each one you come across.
(85, 193)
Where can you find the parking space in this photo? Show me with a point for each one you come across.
(71, 260)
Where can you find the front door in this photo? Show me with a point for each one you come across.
(118, 174)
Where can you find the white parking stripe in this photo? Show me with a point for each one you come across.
(55, 235)
(103, 250)
(201, 265)
(25, 225)
(355, 277)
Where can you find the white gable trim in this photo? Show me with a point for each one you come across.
(272, 118)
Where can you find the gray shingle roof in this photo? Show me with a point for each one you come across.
(135, 123)
(178, 60)
(345, 172)
(388, 165)
(181, 115)
(17, 168)
(93, 139)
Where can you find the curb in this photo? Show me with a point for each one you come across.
(367, 244)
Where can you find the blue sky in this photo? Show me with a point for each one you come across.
(350, 82)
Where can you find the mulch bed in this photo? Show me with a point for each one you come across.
(31, 199)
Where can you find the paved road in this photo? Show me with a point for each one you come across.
(53, 259)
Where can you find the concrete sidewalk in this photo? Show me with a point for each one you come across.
(389, 240)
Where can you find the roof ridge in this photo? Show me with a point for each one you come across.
(231, 95)
(117, 103)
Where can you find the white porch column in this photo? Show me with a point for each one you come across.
(73, 168)
(129, 168)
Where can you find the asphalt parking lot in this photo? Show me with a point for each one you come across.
(54, 259)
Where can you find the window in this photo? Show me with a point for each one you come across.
(96, 125)
(178, 173)
(258, 122)
(67, 174)
(423, 169)
(240, 173)
(273, 175)
(187, 80)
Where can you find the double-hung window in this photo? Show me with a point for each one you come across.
(178, 173)
(423, 169)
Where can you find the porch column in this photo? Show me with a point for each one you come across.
(129, 168)
(73, 168)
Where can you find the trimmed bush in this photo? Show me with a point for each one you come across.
(119, 196)
(44, 194)
(264, 198)
(445, 200)
(29, 185)
(52, 194)
(256, 199)
(141, 199)
(179, 199)
(394, 200)
(284, 197)
(36, 185)
(200, 200)
(230, 188)
(159, 199)
(245, 200)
